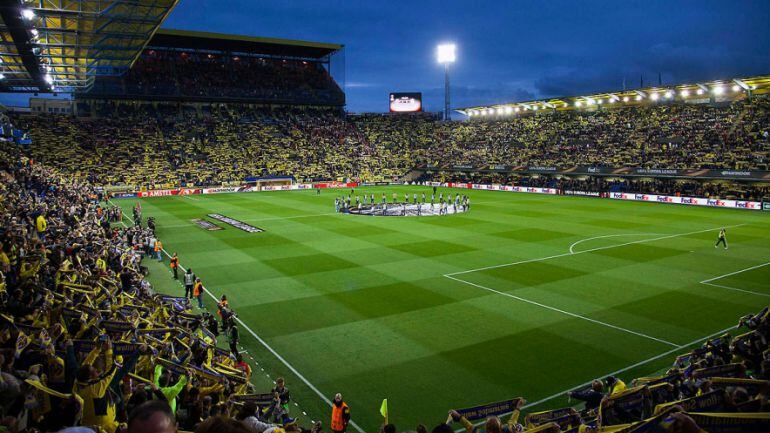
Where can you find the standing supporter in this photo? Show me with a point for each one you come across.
(592, 396)
(41, 225)
(152, 417)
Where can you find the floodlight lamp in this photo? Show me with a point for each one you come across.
(654, 96)
(508, 110)
(718, 90)
(517, 109)
(669, 94)
(638, 97)
(28, 14)
(577, 103)
(625, 99)
(590, 101)
(684, 93)
(736, 88)
(446, 53)
(535, 107)
(500, 110)
(599, 101)
(700, 91)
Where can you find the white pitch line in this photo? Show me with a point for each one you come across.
(616, 372)
(276, 354)
(734, 273)
(588, 250)
(571, 247)
(267, 346)
(736, 289)
(578, 316)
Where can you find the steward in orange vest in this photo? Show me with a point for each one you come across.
(174, 264)
(158, 250)
(340, 414)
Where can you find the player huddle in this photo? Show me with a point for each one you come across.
(451, 203)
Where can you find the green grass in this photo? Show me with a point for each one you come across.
(360, 305)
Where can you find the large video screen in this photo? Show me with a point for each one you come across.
(405, 102)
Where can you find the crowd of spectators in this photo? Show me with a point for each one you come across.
(152, 145)
(85, 340)
(195, 75)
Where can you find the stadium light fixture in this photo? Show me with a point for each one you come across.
(669, 94)
(638, 97)
(736, 88)
(599, 101)
(654, 96)
(500, 111)
(578, 104)
(446, 54)
(517, 109)
(684, 93)
(508, 110)
(625, 99)
(590, 101)
(700, 91)
(535, 108)
(718, 90)
(28, 14)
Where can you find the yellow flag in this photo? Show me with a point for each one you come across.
(384, 410)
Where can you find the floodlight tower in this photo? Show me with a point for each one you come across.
(446, 54)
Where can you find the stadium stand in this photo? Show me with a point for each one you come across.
(84, 336)
(187, 65)
(155, 145)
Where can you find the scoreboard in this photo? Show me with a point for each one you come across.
(406, 102)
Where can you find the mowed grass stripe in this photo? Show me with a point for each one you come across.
(451, 344)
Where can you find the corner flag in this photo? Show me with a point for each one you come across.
(384, 410)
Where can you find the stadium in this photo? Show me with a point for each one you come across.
(203, 236)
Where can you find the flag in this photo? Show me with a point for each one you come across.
(384, 409)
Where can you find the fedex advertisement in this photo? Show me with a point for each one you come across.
(693, 201)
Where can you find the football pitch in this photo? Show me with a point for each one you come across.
(525, 295)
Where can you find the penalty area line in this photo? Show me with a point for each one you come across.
(567, 313)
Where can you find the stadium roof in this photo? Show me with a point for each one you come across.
(187, 39)
(697, 92)
(62, 45)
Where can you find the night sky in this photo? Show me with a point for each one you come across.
(507, 50)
